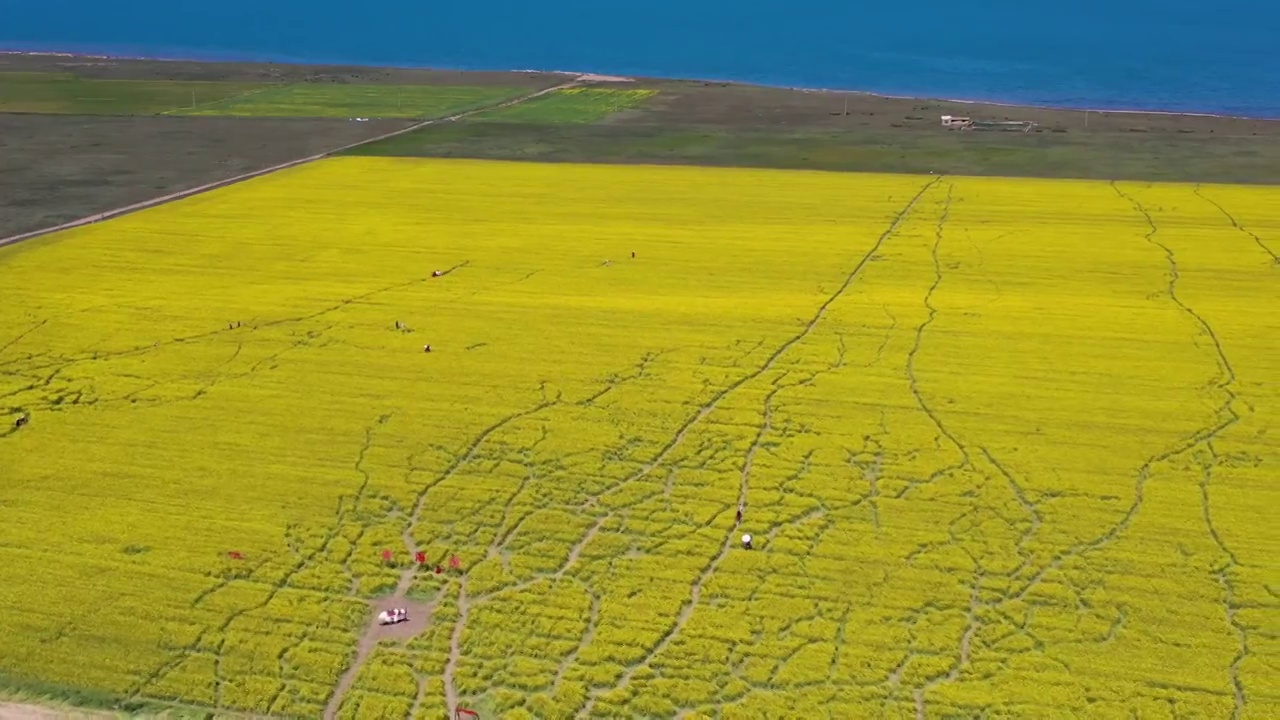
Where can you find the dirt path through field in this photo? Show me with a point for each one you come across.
(695, 590)
(407, 631)
(419, 618)
(98, 217)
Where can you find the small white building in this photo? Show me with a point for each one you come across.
(956, 121)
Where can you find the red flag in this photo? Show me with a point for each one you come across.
(386, 556)
(454, 562)
(420, 557)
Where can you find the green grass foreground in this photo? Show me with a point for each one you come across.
(570, 105)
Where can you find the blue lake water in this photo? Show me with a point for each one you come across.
(1178, 55)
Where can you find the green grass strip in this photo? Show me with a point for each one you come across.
(571, 105)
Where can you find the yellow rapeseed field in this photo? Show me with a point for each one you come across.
(1006, 448)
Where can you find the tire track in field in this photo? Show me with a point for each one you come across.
(408, 574)
(95, 355)
(299, 565)
(1265, 248)
(22, 335)
(1223, 576)
(365, 643)
(913, 380)
(466, 602)
(343, 509)
(1227, 416)
(506, 528)
(1225, 383)
(1196, 438)
(971, 625)
(1019, 494)
(450, 673)
(69, 397)
(966, 461)
(577, 549)
(365, 648)
(706, 409)
(686, 611)
(588, 634)
(695, 591)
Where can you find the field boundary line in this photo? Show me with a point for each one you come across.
(217, 184)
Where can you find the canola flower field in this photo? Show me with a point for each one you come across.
(1007, 448)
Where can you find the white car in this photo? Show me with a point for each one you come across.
(393, 616)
